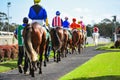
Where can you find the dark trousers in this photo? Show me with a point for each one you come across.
(49, 49)
(22, 54)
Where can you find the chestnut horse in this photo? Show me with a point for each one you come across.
(35, 44)
(57, 41)
(65, 43)
(77, 40)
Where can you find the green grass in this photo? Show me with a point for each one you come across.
(8, 65)
(101, 67)
(107, 47)
(89, 45)
(12, 64)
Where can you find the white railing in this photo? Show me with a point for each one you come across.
(7, 38)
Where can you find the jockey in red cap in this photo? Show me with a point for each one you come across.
(95, 29)
(73, 24)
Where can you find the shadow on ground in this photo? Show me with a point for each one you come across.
(100, 78)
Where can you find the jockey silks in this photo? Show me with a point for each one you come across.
(95, 30)
(57, 21)
(38, 13)
(66, 24)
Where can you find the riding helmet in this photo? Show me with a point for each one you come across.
(66, 18)
(25, 20)
(57, 13)
(37, 1)
(74, 19)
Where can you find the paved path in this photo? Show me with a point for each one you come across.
(54, 70)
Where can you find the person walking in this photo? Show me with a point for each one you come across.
(21, 52)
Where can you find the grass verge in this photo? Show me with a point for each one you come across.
(8, 65)
(101, 67)
(107, 47)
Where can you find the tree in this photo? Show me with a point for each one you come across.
(89, 31)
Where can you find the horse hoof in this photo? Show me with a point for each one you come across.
(26, 73)
(40, 72)
(47, 60)
(20, 69)
(54, 60)
(32, 75)
(45, 65)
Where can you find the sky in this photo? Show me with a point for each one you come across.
(89, 11)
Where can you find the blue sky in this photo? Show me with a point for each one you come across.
(93, 11)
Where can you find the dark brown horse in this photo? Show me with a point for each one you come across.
(76, 40)
(35, 44)
(57, 41)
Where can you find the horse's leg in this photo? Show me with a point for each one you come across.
(59, 59)
(47, 51)
(79, 49)
(58, 56)
(32, 68)
(40, 64)
(62, 52)
(66, 51)
(72, 49)
(54, 55)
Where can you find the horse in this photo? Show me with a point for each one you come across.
(95, 37)
(84, 38)
(35, 44)
(57, 41)
(76, 40)
(65, 43)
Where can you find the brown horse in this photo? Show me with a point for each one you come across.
(57, 41)
(84, 39)
(35, 44)
(65, 43)
(76, 40)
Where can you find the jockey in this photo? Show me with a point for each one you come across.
(84, 28)
(73, 24)
(79, 26)
(66, 26)
(57, 21)
(95, 29)
(66, 23)
(38, 14)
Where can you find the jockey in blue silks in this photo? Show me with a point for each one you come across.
(38, 14)
(66, 23)
(66, 26)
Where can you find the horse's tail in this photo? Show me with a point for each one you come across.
(28, 45)
(55, 37)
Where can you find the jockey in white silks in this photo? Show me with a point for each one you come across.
(95, 35)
